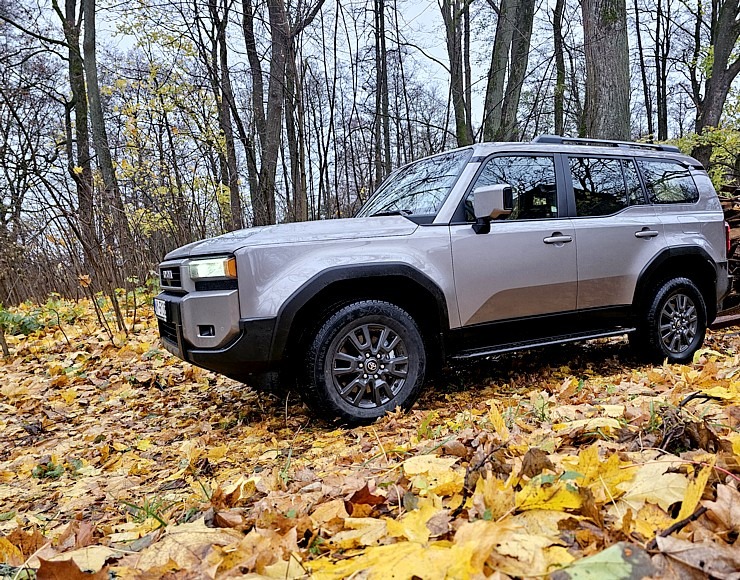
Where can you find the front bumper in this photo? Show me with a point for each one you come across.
(248, 350)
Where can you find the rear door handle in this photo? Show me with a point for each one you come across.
(646, 233)
(557, 238)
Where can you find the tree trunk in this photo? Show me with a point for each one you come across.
(264, 211)
(294, 132)
(607, 69)
(453, 16)
(725, 31)
(559, 100)
(517, 70)
(497, 72)
(643, 74)
(97, 128)
(377, 122)
(81, 168)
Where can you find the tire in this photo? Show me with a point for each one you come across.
(367, 359)
(676, 322)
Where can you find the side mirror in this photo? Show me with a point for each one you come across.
(491, 202)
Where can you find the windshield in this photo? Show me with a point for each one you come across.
(418, 188)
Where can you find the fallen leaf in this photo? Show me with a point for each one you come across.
(619, 562)
(413, 524)
(432, 474)
(66, 570)
(715, 560)
(654, 485)
(726, 508)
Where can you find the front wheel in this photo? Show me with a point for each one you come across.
(368, 358)
(676, 321)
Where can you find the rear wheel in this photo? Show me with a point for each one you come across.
(367, 359)
(676, 322)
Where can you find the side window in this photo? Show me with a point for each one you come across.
(532, 181)
(604, 186)
(668, 182)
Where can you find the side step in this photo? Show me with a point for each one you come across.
(512, 346)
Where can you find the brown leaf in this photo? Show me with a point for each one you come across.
(726, 509)
(713, 559)
(27, 543)
(365, 496)
(455, 448)
(66, 570)
(535, 462)
(227, 519)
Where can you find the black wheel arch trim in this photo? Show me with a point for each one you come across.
(325, 278)
(646, 275)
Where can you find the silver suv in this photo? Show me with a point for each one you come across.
(481, 250)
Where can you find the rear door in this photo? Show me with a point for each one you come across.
(618, 233)
(526, 265)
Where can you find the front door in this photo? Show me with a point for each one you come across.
(526, 265)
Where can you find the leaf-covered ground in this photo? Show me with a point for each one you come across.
(121, 461)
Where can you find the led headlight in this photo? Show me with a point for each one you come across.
(213, 268)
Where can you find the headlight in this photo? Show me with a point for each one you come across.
(213, 268)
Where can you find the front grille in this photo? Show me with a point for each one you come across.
(170, 277)
(168, 330)
(209, 285)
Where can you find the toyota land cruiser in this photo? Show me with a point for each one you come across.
(485, 249)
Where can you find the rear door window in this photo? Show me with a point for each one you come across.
(668, 182)
(604, 186)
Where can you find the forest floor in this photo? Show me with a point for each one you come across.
(120, 461)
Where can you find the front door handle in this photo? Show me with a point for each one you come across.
(646, 233)
(557, 238)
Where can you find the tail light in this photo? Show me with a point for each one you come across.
(727, 237)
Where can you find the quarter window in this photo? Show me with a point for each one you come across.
(668, 182)
(532, 181)
(604, 186)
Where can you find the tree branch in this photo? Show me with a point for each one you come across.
(35, 35)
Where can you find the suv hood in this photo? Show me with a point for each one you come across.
(314, 231)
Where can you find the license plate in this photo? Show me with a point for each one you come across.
(160, 309)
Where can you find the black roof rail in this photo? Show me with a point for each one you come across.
(558, 140)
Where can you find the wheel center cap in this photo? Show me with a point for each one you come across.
(371, 366)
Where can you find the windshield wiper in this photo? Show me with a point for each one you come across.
(403, 212)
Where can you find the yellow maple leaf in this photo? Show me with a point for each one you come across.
(359, 532)
(402, 560)
(650, 519)
(729, 393)
(601, 476)
(69, 395)
(144, 444)
(652, 484)
(413, 524)
(558, 495)
(432, 474)
(605, 424)
(735, 441)
(695, 489)
(497, 420)
(493, 497)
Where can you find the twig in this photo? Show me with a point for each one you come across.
(59, 325)
(467, 492)
(381, 445)
(679, 525)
